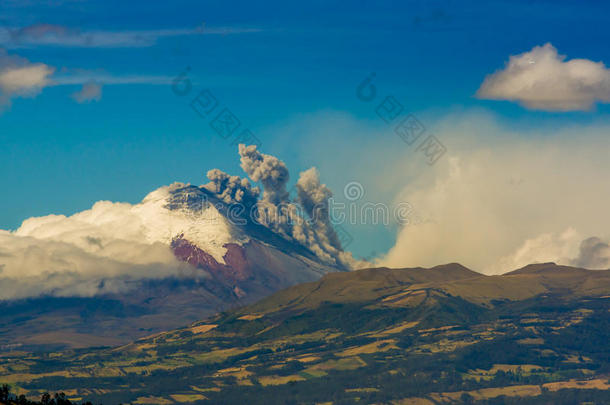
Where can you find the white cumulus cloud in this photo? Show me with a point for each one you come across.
(505, 198)
(542, 79)
(21, 78)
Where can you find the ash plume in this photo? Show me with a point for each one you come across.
(305, 219)
(271, 172)
(232, 189)
(314, 198)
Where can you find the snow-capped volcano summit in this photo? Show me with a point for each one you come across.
(186, 211)
(230, 244)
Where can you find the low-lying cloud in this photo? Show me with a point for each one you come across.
(104, 249)
(108, 248)
(542, 79)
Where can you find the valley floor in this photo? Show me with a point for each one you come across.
(371, 356)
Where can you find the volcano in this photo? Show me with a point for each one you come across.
(222, 258)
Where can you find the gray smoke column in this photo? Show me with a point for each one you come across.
(274, 209)
(312, 195)
(314, 198)
(305, 220)
(271, 172)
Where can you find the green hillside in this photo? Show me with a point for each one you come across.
(403, 336)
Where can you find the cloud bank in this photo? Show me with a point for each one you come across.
(542, 79)
(505, 198)
(99, 250)
(107, 248)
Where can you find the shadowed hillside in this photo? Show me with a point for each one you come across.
(403, 336)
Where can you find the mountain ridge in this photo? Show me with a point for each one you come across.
(372, 335)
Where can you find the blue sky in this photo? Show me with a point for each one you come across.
(272, 64)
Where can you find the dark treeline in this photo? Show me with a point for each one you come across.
(8, 398)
